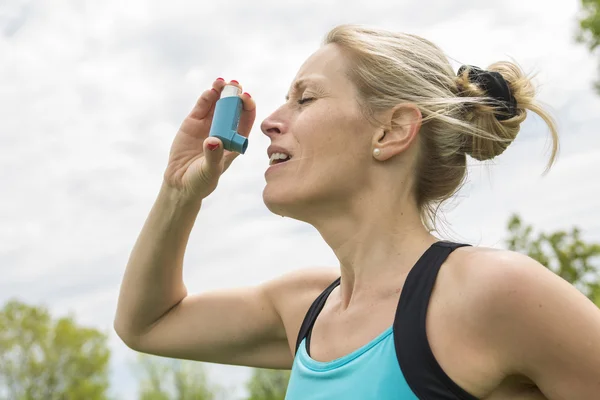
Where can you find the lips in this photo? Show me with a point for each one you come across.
(278, 149)
(274, 166)
(278, 158)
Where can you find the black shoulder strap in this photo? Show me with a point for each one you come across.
(421, 370)
(313, 312)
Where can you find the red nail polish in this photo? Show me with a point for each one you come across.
(220, 79)
(212, 147)
(234, 81)
(247, 94)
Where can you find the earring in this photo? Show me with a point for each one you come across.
(376, 152)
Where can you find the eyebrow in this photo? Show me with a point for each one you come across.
(302, 83)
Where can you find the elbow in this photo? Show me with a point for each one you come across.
(120, 330)
(125, 334)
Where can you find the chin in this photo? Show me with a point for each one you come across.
(300, 205)
(284, 203)
(277, 200)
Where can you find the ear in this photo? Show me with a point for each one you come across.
(399, 131)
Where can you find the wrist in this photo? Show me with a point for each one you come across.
(179, 198)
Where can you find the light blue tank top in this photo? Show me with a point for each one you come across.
(370, 372)
(396, 365)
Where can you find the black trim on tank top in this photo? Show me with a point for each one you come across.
(312, 314)
(421, 370)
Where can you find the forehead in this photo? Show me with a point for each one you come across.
(326, 66)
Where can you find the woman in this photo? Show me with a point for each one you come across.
(375, 130)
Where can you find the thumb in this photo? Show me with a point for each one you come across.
(211, 167)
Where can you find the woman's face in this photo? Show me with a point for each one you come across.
(330, 141)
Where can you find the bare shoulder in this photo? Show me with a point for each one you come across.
(303, 279)
(293, 293)
(505, 286)
(534, 323)
(495, 276)
(295, 288)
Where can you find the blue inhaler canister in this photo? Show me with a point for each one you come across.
(226, 119)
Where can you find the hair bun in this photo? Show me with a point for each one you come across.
(494, 86)
(495, 102)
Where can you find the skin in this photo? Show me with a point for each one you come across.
(505, 317)
(500, 325)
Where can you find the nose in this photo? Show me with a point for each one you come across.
(272, 125)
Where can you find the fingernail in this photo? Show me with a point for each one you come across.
(234, 81)
(220, 79)
(212, 147)
(247, 94)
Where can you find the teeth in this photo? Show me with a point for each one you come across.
(278, 156)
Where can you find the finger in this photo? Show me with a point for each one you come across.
(219, 84)
(206, 103)
(248, 115)
(213, 156)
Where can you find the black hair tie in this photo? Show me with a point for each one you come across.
(495, 86)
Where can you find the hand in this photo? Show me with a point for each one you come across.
(194, 169)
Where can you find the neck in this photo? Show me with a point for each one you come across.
(375, 245)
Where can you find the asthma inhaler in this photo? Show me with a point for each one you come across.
(226, 119)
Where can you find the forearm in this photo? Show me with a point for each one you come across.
(153, 279)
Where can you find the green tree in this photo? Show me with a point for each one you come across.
(172, 379)
(50, 359)
(563, 252)
(268, 384)
(589, 27)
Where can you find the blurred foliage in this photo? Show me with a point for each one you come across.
(268, 384)
(563, 252)
(589, 27)
(172, 379)
(43, 358)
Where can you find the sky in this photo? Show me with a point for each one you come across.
(92, 94)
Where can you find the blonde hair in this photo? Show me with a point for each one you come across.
(389, 68)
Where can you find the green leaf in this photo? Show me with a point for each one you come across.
(51, 359)
(589, 27)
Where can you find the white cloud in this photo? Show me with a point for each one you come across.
(91, 94)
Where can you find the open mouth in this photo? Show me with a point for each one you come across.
(279, 158)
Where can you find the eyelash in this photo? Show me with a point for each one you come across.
(302, 101)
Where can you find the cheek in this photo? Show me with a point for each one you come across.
(328, 124)
(337, 174)
(334, 140)
(334, 166)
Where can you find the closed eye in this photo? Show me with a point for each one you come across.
(305, 100)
